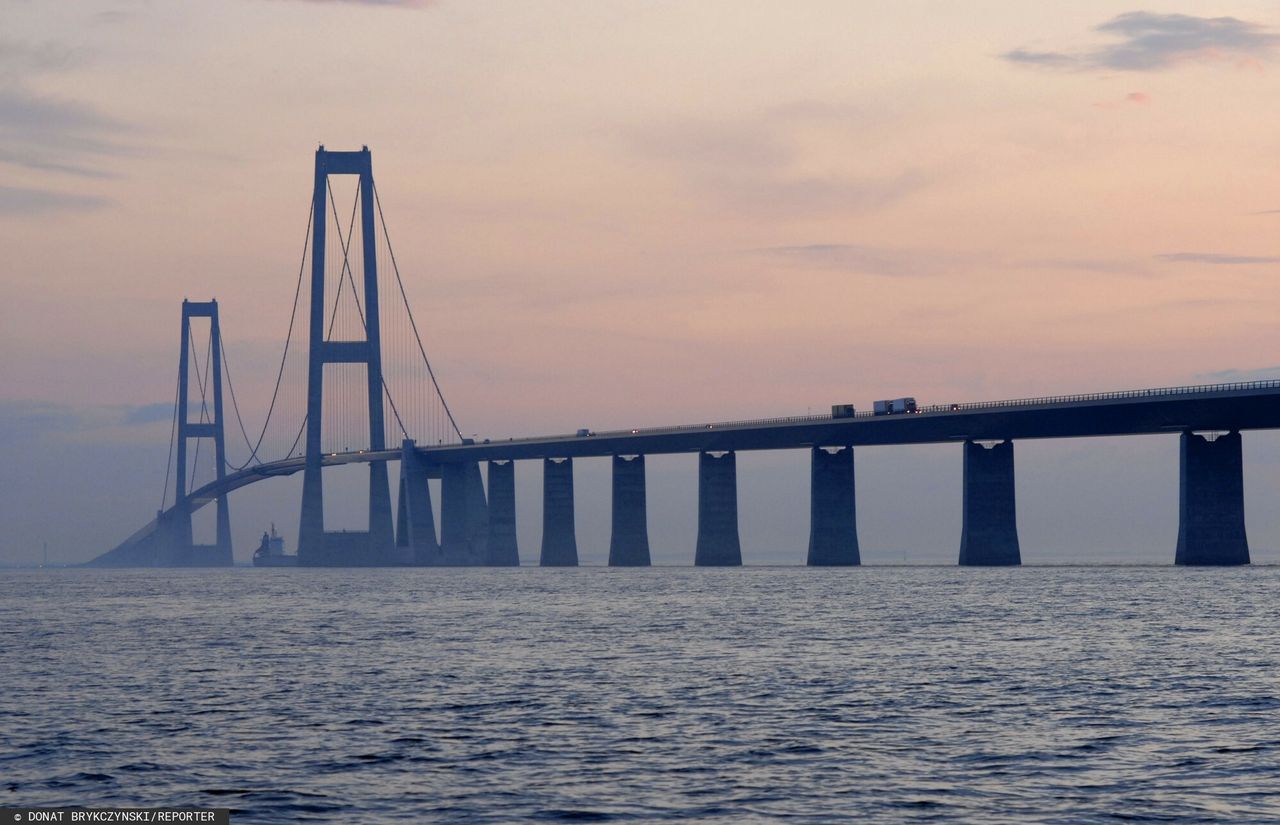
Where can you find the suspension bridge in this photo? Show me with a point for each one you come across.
(365, 358)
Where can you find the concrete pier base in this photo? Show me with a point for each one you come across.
(464, 515)
(833, 526)
(503, 551)
(559, 541)
(990, 533)
(415, 523)
(718, 544)
(629, 540)
(375, 547)
(1211, 502)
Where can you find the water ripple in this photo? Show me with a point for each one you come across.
(1060, 695)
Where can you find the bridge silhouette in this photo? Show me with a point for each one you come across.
(349, 386)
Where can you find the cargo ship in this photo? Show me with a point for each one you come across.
(270, 552)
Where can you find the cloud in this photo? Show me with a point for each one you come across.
(1131, 99)
(19, 201)
(149, 413)
(910, 263)
(850, 258)
(1216, 259)
(1105, 266)
(1048, 60)
(752, 160)
(22, 421)
(54, 135)
(406, 4)
(28, 421)
(49, 134)
(20, 59)
(778, 193)
(1233, 376)
(1151, 41)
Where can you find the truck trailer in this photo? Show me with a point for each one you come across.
(894, 406)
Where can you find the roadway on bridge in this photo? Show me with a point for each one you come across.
(1223, 407)
(1171, 410)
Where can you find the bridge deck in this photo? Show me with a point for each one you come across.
(1250, 406)
(1255, 405)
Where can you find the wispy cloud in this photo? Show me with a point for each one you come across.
(15, 200)
(1149, 41)
(1105, 266)
(850, 258)
(407, 4)
(26, 421)
(20, 59)
(149, 413)
(1217, 259)
(1131, 99)
(1232, 376)
(56, 135)
(49, 135)
(754, 161)
(910, 263)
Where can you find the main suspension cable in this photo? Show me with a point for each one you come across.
(293, 314)
(409, 309)
(350, 278)
(173, 432)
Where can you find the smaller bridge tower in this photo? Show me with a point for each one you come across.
(177, 546)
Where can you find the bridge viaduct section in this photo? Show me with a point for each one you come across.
(1208, 419)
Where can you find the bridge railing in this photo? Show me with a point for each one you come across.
(969, 406)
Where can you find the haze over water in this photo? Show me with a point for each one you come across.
(886, 694)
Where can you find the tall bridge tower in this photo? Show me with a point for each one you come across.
(316, 547)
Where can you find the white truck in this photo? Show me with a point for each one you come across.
(894, 406)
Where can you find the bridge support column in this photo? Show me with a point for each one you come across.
(502, 547)
(559, 542)
(315, 546)
(1211, 501)
(833, 527)
(177, 547)
(990, 533)
(464, 516)
(415, 523)
(629, 540)
(718, 544)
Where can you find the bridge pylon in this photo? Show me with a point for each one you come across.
(377, 546)
(177, 546)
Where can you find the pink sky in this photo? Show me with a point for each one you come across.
(749, 209)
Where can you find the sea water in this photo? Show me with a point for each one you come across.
(873, 694)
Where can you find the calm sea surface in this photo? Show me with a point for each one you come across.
(879, 694)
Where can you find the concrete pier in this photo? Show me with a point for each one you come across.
(415, 523)
(718, 544)
(989, 536)
(559, 542)
(1211, 501)
(503, 551)
(629, 540)
(464, 516)
(833, 525)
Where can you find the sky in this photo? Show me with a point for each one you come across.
(618, 214)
